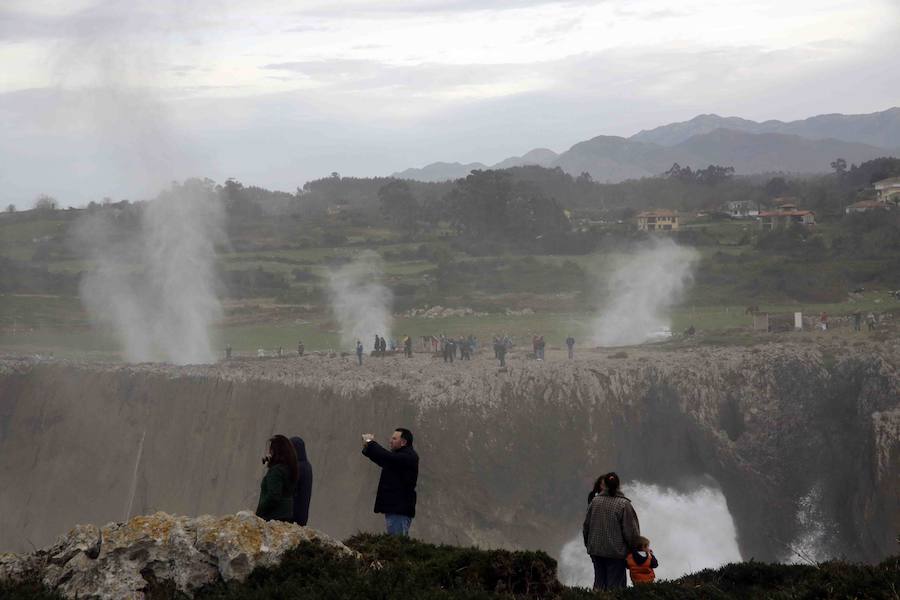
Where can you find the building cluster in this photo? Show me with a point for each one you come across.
(887, 196)
(785, 213)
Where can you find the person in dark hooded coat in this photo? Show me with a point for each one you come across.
(276, 490)
(303, 491)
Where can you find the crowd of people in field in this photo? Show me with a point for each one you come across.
(453, 348)
(611, 530)
(449, 348)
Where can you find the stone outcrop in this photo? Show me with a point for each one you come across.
(507, 457)
(130, 559)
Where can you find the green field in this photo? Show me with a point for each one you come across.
(39, 330)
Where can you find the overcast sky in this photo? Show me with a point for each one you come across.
(114, 98)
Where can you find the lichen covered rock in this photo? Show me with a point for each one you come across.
(124, 560)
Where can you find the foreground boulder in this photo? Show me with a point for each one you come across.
(128, 560)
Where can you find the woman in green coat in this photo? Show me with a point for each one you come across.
(276, 492)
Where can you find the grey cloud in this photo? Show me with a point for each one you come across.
(107, 18)
(329, 68)
(306, 28)
(556, 30)
(418, 7)
(281, 140)
(362, 75)
(652, 14)
(650, 71)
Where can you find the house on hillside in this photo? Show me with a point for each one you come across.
(887, 190)
(741, 209)
(784, 216)
(866, 206)
(658, 220)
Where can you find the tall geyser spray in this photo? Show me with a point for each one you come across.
(641, 291)
(360, 301)
(156, 284)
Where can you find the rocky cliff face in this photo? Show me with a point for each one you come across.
(507, 457)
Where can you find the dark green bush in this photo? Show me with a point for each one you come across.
(399, 568)
(26, 591)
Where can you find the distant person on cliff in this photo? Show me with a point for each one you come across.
(300, 348)
(500, 350)
(359, 351)
(407, 346)
(641, 563)
(570, 345)
(396, 495)
(465, 352)
(611, 530)
(303, 490)
(276, 492)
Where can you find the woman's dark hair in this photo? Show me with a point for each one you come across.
(283, 454)
(611, 483)
(596, 489)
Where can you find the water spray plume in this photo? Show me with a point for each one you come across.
(360, 302)
(157, 288)
(641, 292)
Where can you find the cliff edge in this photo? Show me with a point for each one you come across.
(507, 455)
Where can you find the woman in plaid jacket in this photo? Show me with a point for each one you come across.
(611, 530)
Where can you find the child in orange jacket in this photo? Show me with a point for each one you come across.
(641, 563)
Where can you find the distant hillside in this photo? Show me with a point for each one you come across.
(769, 152)
(542, 157)
(442, 171)
(439, 171)
(613, 159)
(881, 129)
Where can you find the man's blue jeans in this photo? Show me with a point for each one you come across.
(397, 524)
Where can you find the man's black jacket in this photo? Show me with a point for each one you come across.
(397, 486)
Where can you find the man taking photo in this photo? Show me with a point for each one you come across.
(396, 495)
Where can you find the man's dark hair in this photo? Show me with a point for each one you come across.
(406, 434)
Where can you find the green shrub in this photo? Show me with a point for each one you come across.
(393, 567)
(30, 590)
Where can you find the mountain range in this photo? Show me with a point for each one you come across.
(805, 146)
